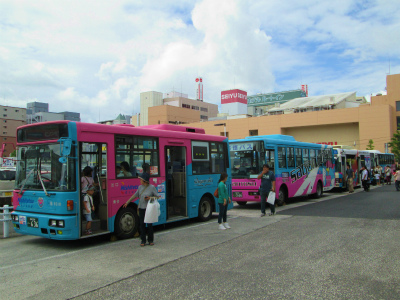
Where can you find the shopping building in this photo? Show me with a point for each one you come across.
(346, 121)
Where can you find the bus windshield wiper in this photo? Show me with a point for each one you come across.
(41, 181)
(26, 179)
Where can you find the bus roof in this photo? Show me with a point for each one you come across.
(162, 130)
(279, 139)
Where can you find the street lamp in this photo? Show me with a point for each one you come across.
(222, 124)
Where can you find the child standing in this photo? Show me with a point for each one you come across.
(88, 208)
(377, 178)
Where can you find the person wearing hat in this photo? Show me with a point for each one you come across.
(144, 193)
(267, 184)
(88, 208)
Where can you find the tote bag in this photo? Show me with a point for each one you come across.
(152, 211)
(271, 198)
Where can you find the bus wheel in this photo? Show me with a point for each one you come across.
(205, 209)
(126, 223)
(319, 192)
(282, 197)
(241, 203)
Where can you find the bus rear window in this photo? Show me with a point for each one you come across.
(42, 133)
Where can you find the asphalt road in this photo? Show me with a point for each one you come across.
(338, 247)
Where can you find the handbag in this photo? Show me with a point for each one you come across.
(152, 211)
(216, 193)
(271, 198)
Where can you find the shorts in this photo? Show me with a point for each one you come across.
(88, 217)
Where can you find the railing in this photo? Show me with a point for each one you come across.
(6, 220)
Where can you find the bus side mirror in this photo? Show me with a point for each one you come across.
(65, 149)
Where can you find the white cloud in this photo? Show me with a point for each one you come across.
(97, 59)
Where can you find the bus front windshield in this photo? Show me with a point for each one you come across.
(39, 168)
(247, 158)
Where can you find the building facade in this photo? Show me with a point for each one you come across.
(10, 119)
(259, 104)
(148, 99)
(353, 126)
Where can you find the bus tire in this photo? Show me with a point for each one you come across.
(126, 223)
(282, 196)
(205, 209)
(319, 191)
(241, 203)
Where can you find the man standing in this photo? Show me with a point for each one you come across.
(350, 176)
(267, 184)
(364, 178)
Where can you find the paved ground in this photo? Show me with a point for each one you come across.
(342, 247)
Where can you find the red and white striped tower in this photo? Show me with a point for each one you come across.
(199, 93)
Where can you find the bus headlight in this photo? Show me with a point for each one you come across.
(56, 223)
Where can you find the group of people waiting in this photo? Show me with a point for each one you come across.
(378, 176)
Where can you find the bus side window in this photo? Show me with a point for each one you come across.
(299, 160)
(282, 157)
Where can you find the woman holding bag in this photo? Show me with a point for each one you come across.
(144, 193)
(223, 199)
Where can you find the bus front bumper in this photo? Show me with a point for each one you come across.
(58, 227)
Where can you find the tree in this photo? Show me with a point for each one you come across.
(370, 145)
(13, 154)
(395, 145)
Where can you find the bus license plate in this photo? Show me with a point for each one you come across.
(33, 222)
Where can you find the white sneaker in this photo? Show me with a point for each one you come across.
(222, 227)
(226, 225)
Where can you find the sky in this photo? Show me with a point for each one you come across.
(95, 57)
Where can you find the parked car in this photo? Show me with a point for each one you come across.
(7, 181)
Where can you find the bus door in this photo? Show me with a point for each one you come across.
(176, 198)
(94, 155)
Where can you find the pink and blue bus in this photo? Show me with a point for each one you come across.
(183, 162)
(300, 168)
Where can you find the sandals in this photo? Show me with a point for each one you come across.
(151, 244)
(142, 245)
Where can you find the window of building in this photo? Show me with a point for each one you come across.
(5, 109)
(397, 105)
(195, 107)
(17, 110)
(398, 122)
(203, 117)
(185, 105)
(253, 132)
(137, 154)
(4, 115)
(205, 109)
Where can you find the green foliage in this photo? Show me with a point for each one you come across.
(370, 145)
(395, 145)
(13, 154)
